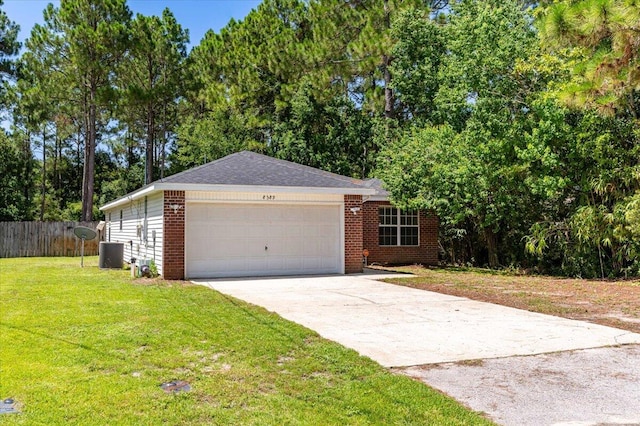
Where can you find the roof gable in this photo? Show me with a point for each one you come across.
(248, 171)
(251, 169)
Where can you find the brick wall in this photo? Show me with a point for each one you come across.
(173, 242)
(426, 253)
(352, 234)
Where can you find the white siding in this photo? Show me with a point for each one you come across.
(137, 227)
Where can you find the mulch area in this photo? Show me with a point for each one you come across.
(611, 303)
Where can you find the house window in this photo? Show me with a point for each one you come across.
(121, 220)
(397, 227)
(109, 228)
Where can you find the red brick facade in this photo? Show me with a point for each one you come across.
(360, 232)
(352, 234)
(426, 253)
(173, 235)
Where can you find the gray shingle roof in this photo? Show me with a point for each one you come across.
(378, 186)
(252, 169)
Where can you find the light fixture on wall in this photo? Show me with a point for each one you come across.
(175, 207)
(355, 210)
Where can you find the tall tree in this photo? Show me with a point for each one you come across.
(9, 47)
(352, 46)
(418, 54)
(89, 38)
(151, 76)
(332, 135)
(15, 178)
(468, 169)
(604, 39)
(9, 44)
(607, 71)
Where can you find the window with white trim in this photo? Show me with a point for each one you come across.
(397, 227)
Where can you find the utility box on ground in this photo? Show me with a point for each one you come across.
(111, 255)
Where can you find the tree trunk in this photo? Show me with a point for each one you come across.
(78, 184)
(492, 246)
(56, 178)
(27, 154)
(148, 178)
(44, 171)
(150, 148)
(89, 157)
(389, 97)
(164, 135)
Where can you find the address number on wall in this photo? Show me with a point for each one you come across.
(268, 197)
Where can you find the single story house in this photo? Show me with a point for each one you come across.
(248, 214)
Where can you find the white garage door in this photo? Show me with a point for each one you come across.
(234, 240)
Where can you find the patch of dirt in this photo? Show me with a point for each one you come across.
(611, 303)
(159, 282)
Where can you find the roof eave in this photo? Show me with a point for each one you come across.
(378, 198)
(130, 197)
(266, 188)
(165, 186)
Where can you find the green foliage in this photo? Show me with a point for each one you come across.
(151, 79)
(14, 202)
(607, 33)
(334, 136)
(9, 47)
(468, 170)
(485, 40)
(590, 231)
(212, 136)
(153, 269)
(418, 53)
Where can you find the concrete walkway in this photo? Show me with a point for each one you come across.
(587, 387)
(398, 326)
(527, 369)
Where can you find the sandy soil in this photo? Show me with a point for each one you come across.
(612, 303)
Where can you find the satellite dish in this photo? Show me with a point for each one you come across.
(84, 233)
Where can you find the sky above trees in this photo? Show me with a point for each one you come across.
(198, 16)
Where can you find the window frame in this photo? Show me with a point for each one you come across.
(395, 219)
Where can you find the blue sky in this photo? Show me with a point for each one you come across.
(198, 16)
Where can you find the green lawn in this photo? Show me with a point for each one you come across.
(87, 346)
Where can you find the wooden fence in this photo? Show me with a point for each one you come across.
(32, 239)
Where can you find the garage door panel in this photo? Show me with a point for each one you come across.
(313, 263)
(275, 263)
(293, 263)
(226, 240)
(324, 247)
(255, 264)
(289, 250)
(327, 263)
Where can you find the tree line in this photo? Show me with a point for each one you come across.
(516, 121)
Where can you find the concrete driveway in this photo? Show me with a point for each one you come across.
(399, 327)
(520, 368)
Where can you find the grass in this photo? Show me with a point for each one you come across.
(91, 347)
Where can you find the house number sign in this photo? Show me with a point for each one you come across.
(268, 197)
